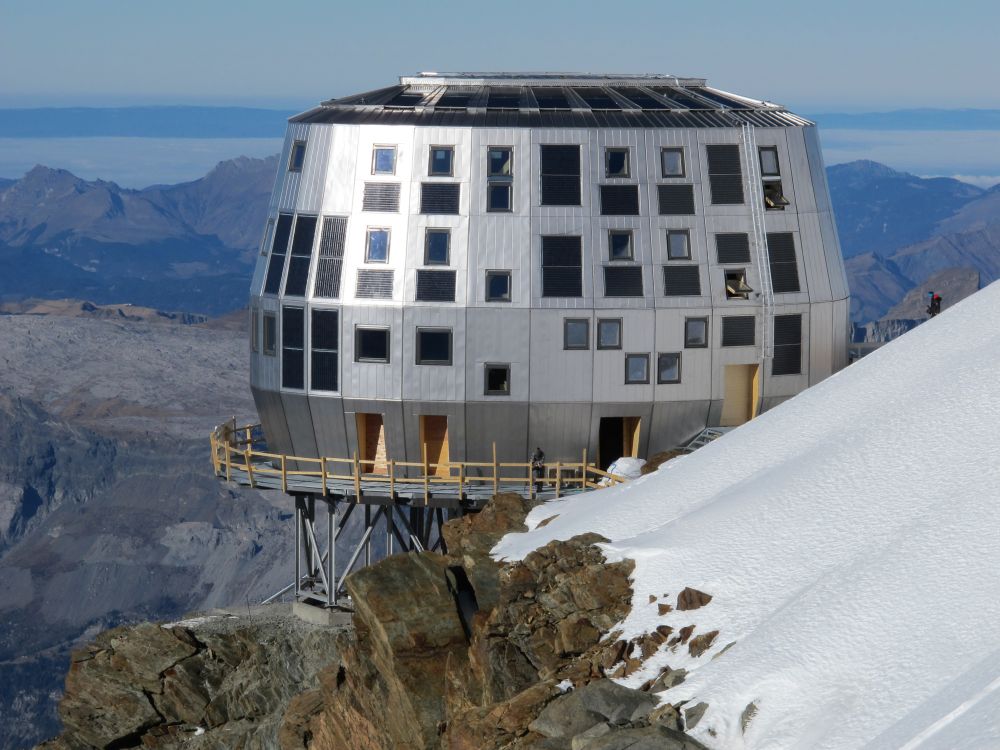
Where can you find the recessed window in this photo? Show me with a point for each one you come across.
(560, 175)
(293, 354)
(433, 346)
(616, 162)
(695, 333)
(738, 330)
(324, 339)
(668, 368)
(562, 266)
(371, 344)
(498, 286)
(620, 244)
(498, 161)
(497, 380)
(298, 156)
(270, 333)
(498, 198)
(499, 179)
(636, 369)
(609, 333)
(678, 244)
(672, 162)
(437, 247)
(725, 175)
(769, 162)
(787, 345)
(442, 158)
(384, 160)
(576, 333)
(377, 246)
(774, 196)
(736, 284)
(254, 329)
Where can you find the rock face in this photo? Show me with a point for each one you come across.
(215, 681)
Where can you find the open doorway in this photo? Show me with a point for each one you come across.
(742, 388)
(371, 444)
(434, 438)
(619, 436)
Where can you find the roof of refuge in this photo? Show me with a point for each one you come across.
(541, 100)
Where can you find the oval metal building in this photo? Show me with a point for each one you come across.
(606, 263)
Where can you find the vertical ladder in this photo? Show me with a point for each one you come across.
(763, 257)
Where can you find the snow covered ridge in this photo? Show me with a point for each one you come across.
(850, 540)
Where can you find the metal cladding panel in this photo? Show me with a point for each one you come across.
(271, 411)
(374, 380)
(828, 228)
(561, 431)
(328, 422)
(434, 382)
(499, 336)
(674, 424)
(822, 327)
(344, 172)
(266, 372)
(392, 420)
(520, 141)
(287, 194)
(559, 375)
(638, 337)
(696, 364)
(312, 181)
(300, 427)
(455, 412)
(499, 243)
(503, 423)
(815, 272)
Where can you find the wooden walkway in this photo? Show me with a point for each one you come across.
(236, 457)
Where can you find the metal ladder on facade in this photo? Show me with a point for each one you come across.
(761, 254)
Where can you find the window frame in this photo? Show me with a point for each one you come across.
(451, 161)
(636, 355)
(419, 360)
(726, 273)
(358, 330)
(376, 147)
(777, 163)
(621, 334)
(298, 149)
(631, 245)
(314, 312)
(368, 243)
(268, 238)
(487, 367)
(659, 368)
(446, 231)
(500, 181)
(687, 337)
(566, 325)
(686, 233)
(287, 347)
(608, 151)
(269, 320)
(510, 285)
(663, 167)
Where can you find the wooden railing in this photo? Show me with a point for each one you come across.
(233, 447)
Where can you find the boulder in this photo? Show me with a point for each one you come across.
(597, 702)
(645, 738)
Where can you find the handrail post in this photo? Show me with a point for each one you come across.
(461, 480)
(558, 479)
(284, 474)
(246, 457)
(357, 478)
(496, 471)
(228, 465)
(322, 469)
(392, 479)
(583, 471)
(427, 470)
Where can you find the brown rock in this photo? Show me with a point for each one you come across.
(692, 599)
(685, 633)
(663, 609)
(699, 644)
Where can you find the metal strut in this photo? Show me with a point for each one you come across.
(761, 253)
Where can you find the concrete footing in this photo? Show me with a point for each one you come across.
(321, 615)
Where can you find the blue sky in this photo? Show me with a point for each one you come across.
(846, 55)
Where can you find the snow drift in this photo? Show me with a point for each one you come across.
(850, 539)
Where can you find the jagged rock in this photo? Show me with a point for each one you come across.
(645, 738)
(692, 599)
(701, 643)
(747, 716)
(599, 701)
(693, 715)
(667, 679)
(584, 738)
(668, 716)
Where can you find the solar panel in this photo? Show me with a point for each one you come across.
(597, 98)
(552, 97)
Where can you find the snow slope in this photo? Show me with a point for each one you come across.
(851, 541)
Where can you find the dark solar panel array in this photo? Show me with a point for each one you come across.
(723, 100)
(640, 97)
(678, 96)
(597, 98)
(457, 96)
(551, 97)
(502, 98)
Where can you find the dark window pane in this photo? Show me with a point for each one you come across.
(678, 245)
(675, 200)
(298, 275)
(738, 330)
(441, 161)
(787, 345)
(298, 156)
(724, 174)
(292, 368)
(620, 200)
(293, 327)
(562, 272)
(270, 333)
(576, 333)
(620, 245)
(325, 329)
(324, 371)
(498, 197)
(668, 368)
(282, 234)
(292, 347)
(733, 247)
(433, 347)
(439, 197)
(372, 345)
(769, 162)
(498, 286)
(784, 269)
(560, 175)
(275, 267)
(498, 380)
(636, 368)
(499, 162)
(616, 162)
(672, 162)
(435, 286)
(681, 281)
(695, 333)
(436, 250)
(623, 281)
(609, 334)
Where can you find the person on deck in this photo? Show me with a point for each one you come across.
(538, 468)
(935, 304)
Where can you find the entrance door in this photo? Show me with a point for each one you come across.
(619, 436)
(739, 403)
(434, 437)
(371, 444)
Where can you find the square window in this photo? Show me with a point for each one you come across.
(736, 284)
(433, 346)
(620, 245)
(576, 333)
(499, 161)
(636, 369)
(695, 333)
(609, 333)
(377, 246)
(371, 344)
(384, 160)
(498, 197)
(441, 161)
(616, 162)
(498, 286)
(672, 162)
(497, 380)
(668, 368)
(437, 245)
(270, 333)
(297, 157)
(769, 162)
(678, 244)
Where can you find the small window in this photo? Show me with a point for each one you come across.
(576, 333)
(499, 179)
(736, 284)
(616, 162)
(433, 346)
(437, 247)
(668, 368)
(270, 333)
(769, 162)
(499, 197)
(377, 246)
(678, 244)
(499, 161)
(672, 162)
(498, 286)
(620, 245)
(254, 329)
(442, 158)
(609, 333)
(695, 333)
(297, 157)
(636, 369)
(497, 380)
(384, 160)
(371, 344)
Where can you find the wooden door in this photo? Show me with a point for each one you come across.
(434, 438)
(739, 402)
(630, 436)
(371, 444)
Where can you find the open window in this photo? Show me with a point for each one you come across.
(497, 380)
(770, 175)
(736, 284)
